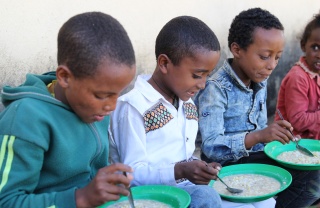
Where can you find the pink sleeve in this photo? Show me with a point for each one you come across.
(297, 102)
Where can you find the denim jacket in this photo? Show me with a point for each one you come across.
(228, 110)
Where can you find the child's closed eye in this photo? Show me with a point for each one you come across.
(102, 96)
(197, 76)
(264, 57)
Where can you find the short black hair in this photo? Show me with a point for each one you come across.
(244, 24)
(87, 39)
(313, 24)
(182, 36)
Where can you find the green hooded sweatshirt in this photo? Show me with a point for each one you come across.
(46, 151)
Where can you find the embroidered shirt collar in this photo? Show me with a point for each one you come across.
(148, 91)
(303, 64)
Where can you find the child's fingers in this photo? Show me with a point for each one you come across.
(118, 167)
(114, 178)
(212, 170)
(284, 124)
(117, 190)
(216, 166)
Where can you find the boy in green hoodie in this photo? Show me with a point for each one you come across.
(53, 132)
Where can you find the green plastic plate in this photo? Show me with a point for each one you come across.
(273, 149)
(173, 196)
(280, 174)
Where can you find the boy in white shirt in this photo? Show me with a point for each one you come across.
(154, 125)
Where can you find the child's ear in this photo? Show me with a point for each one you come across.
(63, 74)
(235, 49)
(303, 46)
(163, 61)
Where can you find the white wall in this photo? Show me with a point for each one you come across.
(28, 28)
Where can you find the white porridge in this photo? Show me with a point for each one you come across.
(251, 184)
(141, 203)
(297, 157)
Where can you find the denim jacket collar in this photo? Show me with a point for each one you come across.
(228, 69)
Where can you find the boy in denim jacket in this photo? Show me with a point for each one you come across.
(232, 107)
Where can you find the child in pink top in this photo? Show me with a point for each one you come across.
(299, 94)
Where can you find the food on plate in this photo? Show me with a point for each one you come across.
(140, 203)
(297, 157)
(251, 184)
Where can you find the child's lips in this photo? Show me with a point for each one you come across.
(98, 117)
(317, 65)
(264, 76)
(101, 116)
(191, 93)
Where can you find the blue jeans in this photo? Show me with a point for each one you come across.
(304, 189)
(202, 196)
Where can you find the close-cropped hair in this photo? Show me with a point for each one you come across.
(244, 24)
(313, 24)
(182, 36)
(87, 39)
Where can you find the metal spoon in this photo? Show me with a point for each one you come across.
(231, 190)
(298, 146)
(130, 197)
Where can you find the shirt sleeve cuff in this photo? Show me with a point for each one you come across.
(167, 175)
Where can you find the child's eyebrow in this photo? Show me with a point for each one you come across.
(201, 70)
(270, 51)
(104, 92)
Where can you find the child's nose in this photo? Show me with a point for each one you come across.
(272, 64)
(110, 105)
(201, 85)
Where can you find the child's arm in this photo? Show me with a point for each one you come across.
(212, 103)
(105, 186)
(297, 104)
(21, 162)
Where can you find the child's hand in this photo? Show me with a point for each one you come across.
(197, 171)
(105, 186)
(276, 131)
(216, 166)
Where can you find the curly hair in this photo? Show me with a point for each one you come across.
(244, 24)
(87, 39)
(313, 24)
(183, 36)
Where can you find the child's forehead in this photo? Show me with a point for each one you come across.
(198, 53)
(267, 34)
(315, 33)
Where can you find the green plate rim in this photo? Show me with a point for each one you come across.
(274, 148)
(142, 192)
(255, 168)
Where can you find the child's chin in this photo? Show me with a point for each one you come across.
(88, 120)
(185, 99)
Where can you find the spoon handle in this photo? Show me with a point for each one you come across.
(222, 181)
(130, 197)
(299, 147)
(281, 117)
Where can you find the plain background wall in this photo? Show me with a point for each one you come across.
(28, 30)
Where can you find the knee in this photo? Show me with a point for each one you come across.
(206, 196)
